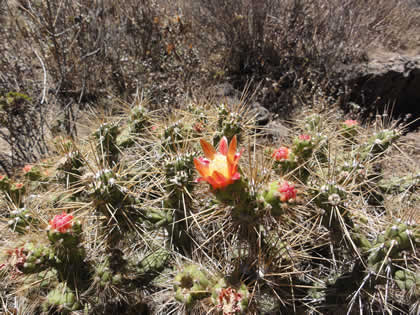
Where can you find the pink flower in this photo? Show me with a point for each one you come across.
(304, 137)
(61, 222)
(350, 123)
(287, 191)
(229, 301)
(219, 169)
(18, 185)
(281, 154)
(27, 168)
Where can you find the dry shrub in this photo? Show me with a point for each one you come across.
(297, 43)
(69, 55)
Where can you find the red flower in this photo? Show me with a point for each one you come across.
(61, 222)
(219, 169)
(281, 154)
(305, 137)
(287, 191)
(350, 123)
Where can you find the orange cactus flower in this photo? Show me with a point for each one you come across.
(219, 169)
(287, 191)
(61, 222)
(281, 154)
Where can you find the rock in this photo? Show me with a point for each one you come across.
(277, 130)
(387, 82)
(226, 93)
(262, 115)
(224, 90)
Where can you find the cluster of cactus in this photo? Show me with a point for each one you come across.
(105, 189)
(37, 258)
(349, 130)
(200, 120)
(70, 168)
(228, 300)
(408, 281)
(229, 124)
(104, 276)
(399, 184)
(193, 284)
(179, 174)
(173, 136)
(390, 245)
(263, 227)
(378, 143)
(106, 146)
(114, 202)
(278, 196)
(353, 172)
(138, 121)
(62, 300)
(21, 220)
(13, 190)
(32, 172)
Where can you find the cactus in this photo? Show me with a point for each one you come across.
(277, 196)
(17, 192)
(106, 137)
(408, 281)
(179, 175)
(156, 217)
(228, 123)
(389, 245)
(62, 300)
(284, 160)
(399, 184)
(20, 220)
(173, 136)
(313, 123)
(378, 143)
(70, 168)
(104, 276)
(150, 267)
(191, 285)
(138, 119)
(37, 258)
(303, 147)
(349, 130)
(228, 300)
(4, 183)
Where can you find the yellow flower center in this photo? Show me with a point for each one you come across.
(220, 164)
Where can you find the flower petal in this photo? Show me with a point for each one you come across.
(202, 168)
(232, 150)
(223, 146)
(221, 180)
(208, 149)
(236, 176)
